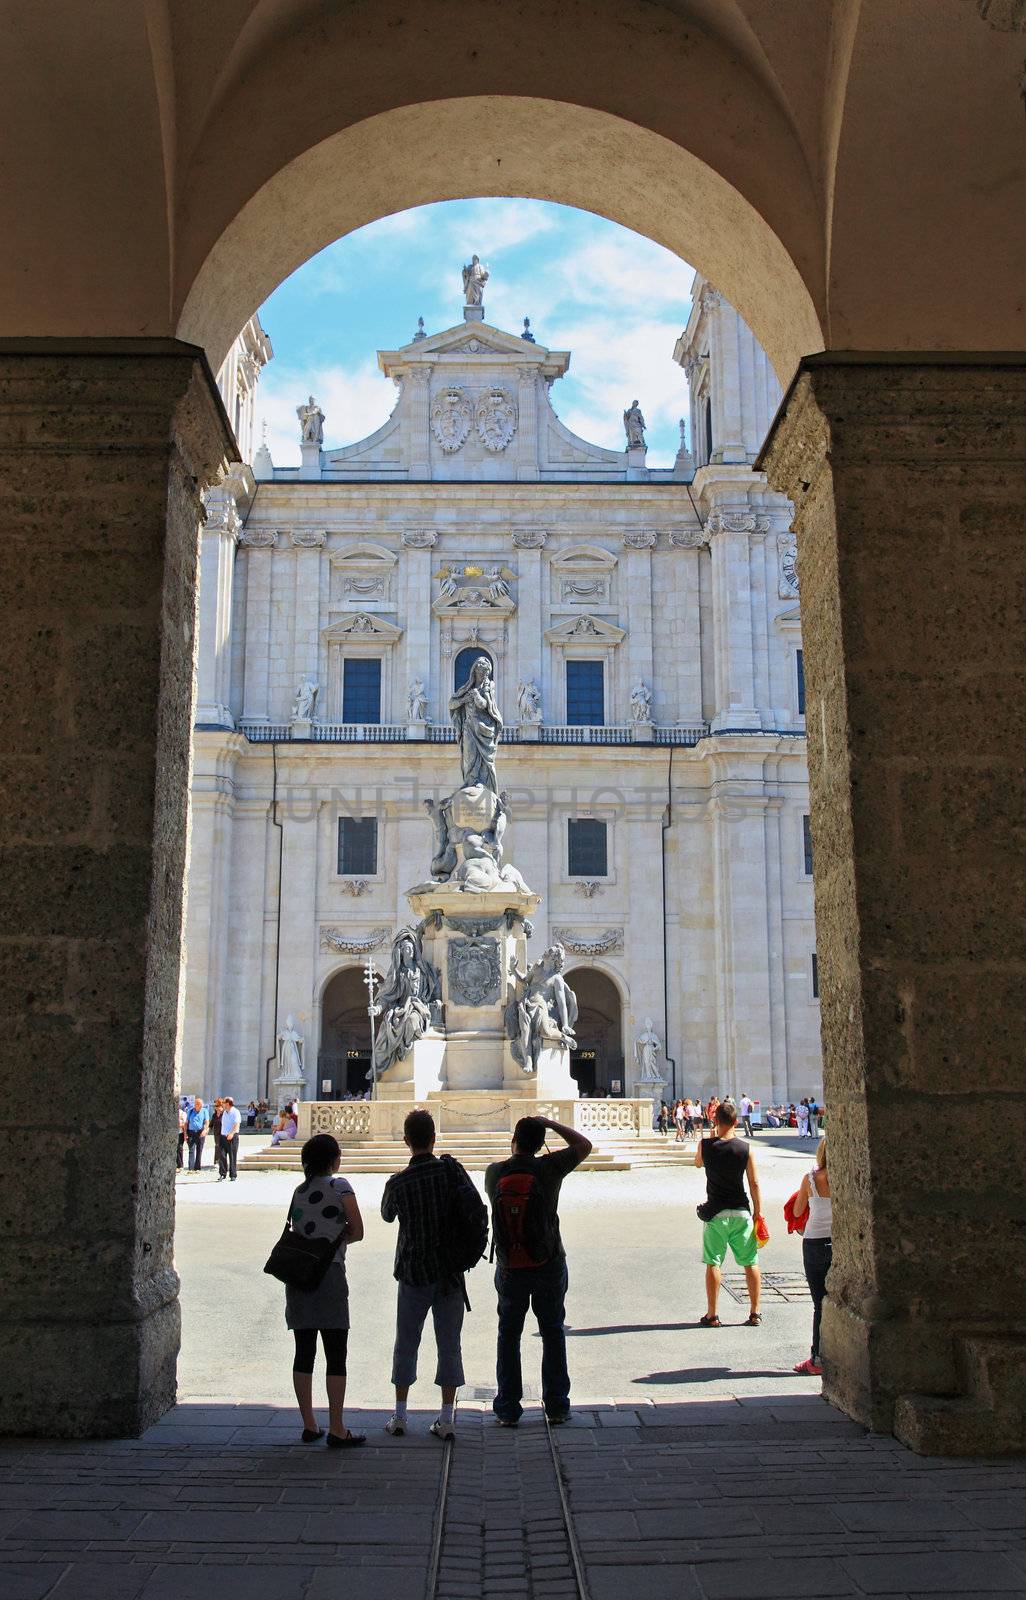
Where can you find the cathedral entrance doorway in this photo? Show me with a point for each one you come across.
(597, 1063)
(343, 1060)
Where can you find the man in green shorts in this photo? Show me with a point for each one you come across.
(726, 1214)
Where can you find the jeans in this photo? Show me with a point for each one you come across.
(543, 1289)
(227, 1157)
(196, 1151)
(180, 1158)
(816, 1256)
(446, 1304)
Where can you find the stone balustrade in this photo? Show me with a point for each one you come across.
(478, 1111)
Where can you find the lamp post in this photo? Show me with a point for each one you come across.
(370, 978)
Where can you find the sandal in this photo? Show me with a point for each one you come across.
(709, 1322)
(754, 1319)
(348, 1440)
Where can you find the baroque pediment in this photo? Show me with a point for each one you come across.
(585, 629)
(361, 625)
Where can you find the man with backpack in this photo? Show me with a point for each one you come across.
(531, 1262)
(443, 1231)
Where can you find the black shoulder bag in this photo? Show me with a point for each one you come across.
(299, 1262)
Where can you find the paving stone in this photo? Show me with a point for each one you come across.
(935, 1572)
(29, 1580)
(99, 1581)
(211, 1583)
(364, 1583)
(654, 1583)
(41, 1526)
(750, 1577)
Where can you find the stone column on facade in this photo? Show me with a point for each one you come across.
(637, 570)
(729, 535)
(415, 577)
(218, 539)
(742, 934)
(417, 394)
(307, 544)
(299, 810)
(208, 933)
(99, 641)
(728, 441)
(642, 859)
(528, 622)
(908, 474)
(684, 646)
(259, 549)
(527, 432)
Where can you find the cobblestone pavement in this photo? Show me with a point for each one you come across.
(751, 1498)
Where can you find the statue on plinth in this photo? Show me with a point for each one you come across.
(417, 701)
(634, 427)
(311, 422)
(542, 1015)
(646, 1053)
(641, 702)
(408, 1002)
(475, 276)
(477, 721)
(305, 701)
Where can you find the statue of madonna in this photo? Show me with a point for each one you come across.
(477, 721)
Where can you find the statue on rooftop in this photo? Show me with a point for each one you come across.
(475, 276)
(311, 422)
(634, 426)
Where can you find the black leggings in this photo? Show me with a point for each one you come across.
(816, 1257)
(335, 1342)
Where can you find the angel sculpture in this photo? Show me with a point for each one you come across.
(407, 1002)
(542, 1016)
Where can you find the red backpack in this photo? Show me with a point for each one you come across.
(520, 1222)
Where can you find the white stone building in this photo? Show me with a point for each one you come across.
(644, 634)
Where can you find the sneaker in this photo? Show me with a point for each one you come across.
(556, 1420)
(808, 1368)
(507, 1422)
(443, 1430)
(396, 1426)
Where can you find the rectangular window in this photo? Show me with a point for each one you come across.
(807, 841)
(358, 846)
(815, 977)
(800, 669)
(585, 694)
(361, 689)
(587, 855)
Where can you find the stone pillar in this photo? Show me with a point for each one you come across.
(256, 683)
(307, 545)
(210, 940)
(527, 431)
(104, 448)
(742, 935)
(729, 533)
(218, 539)
(638, 574)
(908, 474)
(528, 623)
(415, 577)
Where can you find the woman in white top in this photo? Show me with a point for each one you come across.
(814, 1197)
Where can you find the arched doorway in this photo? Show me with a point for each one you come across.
(597, 1063)
(343, 1060)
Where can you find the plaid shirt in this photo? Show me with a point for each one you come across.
(421, 1197)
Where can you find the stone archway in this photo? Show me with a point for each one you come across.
(598, 1062)
(343, 1059)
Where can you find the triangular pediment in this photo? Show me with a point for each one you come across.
(585, 630)
(361, 625)
(476, 343)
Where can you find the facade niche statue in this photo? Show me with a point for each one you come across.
(646, 1054)
(306, 700)
(409, 1002)
(417, 701)
(641, 702)
(542, 1014)
(529, 703)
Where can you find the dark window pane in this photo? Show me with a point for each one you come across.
(807, 839)
(587, 848)
(800, 666)
(708, 431)
(358, 845)
(585, 694)
(815, 977)
(361, 689)
(463, 663)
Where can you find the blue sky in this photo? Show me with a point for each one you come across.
(615, 300)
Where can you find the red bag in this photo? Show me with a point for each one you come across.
(795, 1224)
(761, 1232)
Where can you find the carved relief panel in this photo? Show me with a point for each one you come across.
(362, 577)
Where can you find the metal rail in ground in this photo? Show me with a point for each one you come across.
(577, 1560)
(434, 1561)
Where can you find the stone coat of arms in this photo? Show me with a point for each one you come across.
(496, 419)
(474, 973)
(451, 417)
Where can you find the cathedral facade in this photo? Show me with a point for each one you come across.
(643, 632)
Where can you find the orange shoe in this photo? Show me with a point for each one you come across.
(808, 1368)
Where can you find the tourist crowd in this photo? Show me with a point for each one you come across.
(443, 1233)
(685, 1115)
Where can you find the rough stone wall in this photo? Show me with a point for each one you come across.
(909, 478)
(103, 450)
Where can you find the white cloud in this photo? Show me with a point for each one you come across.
(355, 400)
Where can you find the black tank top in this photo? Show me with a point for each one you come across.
(725, 1161)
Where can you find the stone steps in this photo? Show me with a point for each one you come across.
(476, 1151)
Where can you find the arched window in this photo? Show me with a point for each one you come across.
(464, 661)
